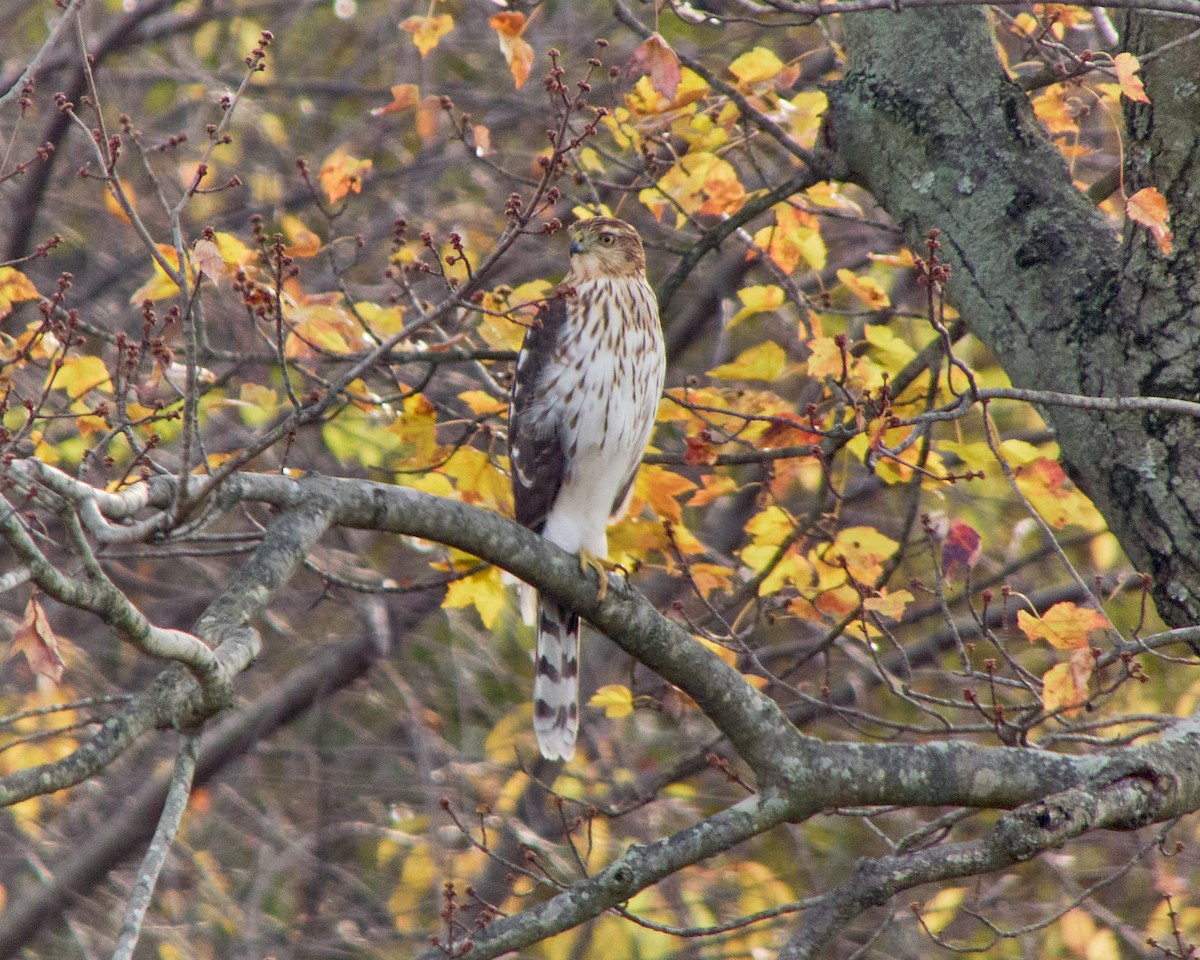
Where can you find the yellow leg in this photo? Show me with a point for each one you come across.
(589, 561)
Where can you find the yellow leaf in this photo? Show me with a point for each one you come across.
(889, 604)
(802, 116)
(302, 242)
(341, 174)
(485, 591)
(113, 205)
(826, 359)
(1065, 685)
(617, 700)
(1045, 485)
(646, 101)
(382, 321)
(1066, 625)
(1127, 66)
(416, 427)
(940, 909)
(14, 287)
(482, 402)
(888, 348)
(79, 375)
(160, 286)
(762, 362)
(479, 481)
(1149, 208)
(758, 299)
(863, 549)
(509, 26)
(427, 32)
(756, 66)
(259, 404)
(865, 288)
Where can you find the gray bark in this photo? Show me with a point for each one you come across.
(927, 121)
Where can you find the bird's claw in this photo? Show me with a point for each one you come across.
(589, 561)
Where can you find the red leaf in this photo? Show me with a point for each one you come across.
(656, 58)
(960, 549)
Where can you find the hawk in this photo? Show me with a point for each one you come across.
(587, 385)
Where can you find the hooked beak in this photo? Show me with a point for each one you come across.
(576, 246)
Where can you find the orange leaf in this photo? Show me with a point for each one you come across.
(341, 174)
(659, 488)
(428, 31)
(1065, 626)
(655, 58)
(1127, 66)
(34, 638)
(404, 97)
(1149, 208)
(509, 26)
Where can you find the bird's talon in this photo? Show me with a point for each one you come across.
(589, 561)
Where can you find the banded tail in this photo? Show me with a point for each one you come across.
(556, 681)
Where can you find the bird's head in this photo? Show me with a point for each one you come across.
(605, 247)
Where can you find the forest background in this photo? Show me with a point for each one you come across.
(897, 662)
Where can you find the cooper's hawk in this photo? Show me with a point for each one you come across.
(587, 386)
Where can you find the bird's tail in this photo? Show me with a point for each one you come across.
(556, 681)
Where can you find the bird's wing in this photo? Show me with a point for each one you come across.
(535, 442)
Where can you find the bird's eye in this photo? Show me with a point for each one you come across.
(607, 239)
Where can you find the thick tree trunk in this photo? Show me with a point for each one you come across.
(927, 120)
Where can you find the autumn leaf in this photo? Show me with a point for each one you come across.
(1065, 685)
(827, 358)
(1045, 485)
(485, 591)
(509, 26)
(79, 375)
(1127, 66)
(658, 488)
(14, 287)
(617, 700)
(865, 289)
(795, 236)
(405, 96)
(302, 242)
(757, 66)
(758, 299)
(699, 183)
(113, 205)
(889, 604)
(764, 361)
(34, 638)
(341, 174)
(206, 258)
(863, 550)
(427, 32)
(938, 912)
(960, 549)
(1065, 626)
(1149, 208)
(655, 58)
